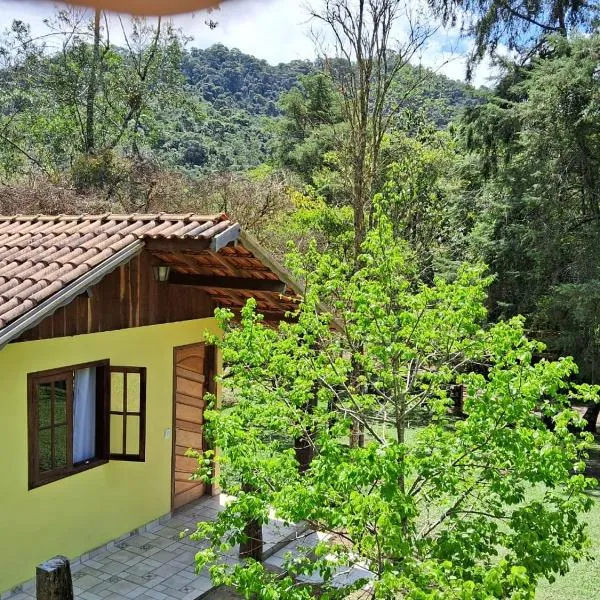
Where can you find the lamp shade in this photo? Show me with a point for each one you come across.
(161, 272)
(148, 7)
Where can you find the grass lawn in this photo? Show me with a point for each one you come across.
(583, 580)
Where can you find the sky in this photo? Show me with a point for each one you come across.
(274, 30)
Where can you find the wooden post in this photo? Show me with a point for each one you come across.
(304, 446)
(253, 546)
(304, 450)
(591, 417)
(53, 580)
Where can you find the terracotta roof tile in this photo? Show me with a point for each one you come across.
(11, 315)
(197, 230)
(41, 254)
(160, 227)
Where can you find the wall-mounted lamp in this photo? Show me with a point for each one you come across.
(161, 272)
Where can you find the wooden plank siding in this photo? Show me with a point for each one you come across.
(127, 297)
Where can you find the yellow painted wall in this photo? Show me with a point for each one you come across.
(86, 510)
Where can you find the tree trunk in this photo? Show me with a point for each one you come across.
(253, 546)
(91, 92)
(361, 435)
(53, 580)
(457, 395)
(357, 435)
(354, 433)
(591, 417)
(304, 449)
(304, 446)
(358, 200)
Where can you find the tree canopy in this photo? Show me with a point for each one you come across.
(520, 26)
(478, 508)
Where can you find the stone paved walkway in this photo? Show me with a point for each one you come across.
(155, 564)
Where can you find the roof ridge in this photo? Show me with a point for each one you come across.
(160, 216)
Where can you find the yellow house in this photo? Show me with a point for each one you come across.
(104, 369)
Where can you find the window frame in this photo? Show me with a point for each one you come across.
(37, 478)
(142, 372)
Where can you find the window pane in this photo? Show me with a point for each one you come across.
(60, 446)
(44, 398)
(126, 389)
(133, 435)
(133, 392)
(60, 402)
(45, 449)
(116, 434)
(116, 391)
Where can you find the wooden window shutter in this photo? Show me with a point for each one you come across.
(127, 413)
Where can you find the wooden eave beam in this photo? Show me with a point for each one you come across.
(270, 316)
(226, 263)
(228, 283)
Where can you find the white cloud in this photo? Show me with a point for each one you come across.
(275, 30)
(446, 53)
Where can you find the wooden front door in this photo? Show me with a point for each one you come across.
(193, 377)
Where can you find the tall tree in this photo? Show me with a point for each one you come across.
(520, 25)
(365, 63)
(311, 125)
(85, 96)
(443, 511)
(92, 85)
(537, 147)
(424, 198)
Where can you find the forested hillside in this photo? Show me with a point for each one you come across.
(228, 78)
(243, 103)
(218, 111)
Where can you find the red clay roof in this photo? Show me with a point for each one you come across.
(40, 255)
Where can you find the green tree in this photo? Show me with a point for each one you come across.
(423, 196)
(523, 26)
(537, 147)
(311, 125)
(88, 98)
(365, 64)
(480, 508)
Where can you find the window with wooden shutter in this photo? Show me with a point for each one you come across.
(66, 409)
(127, 414)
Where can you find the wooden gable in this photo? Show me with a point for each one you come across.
(127, 297)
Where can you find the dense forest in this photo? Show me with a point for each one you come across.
(229, 105)
(507, 176)
(244, 98)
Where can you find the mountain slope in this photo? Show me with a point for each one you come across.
(241, 94)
